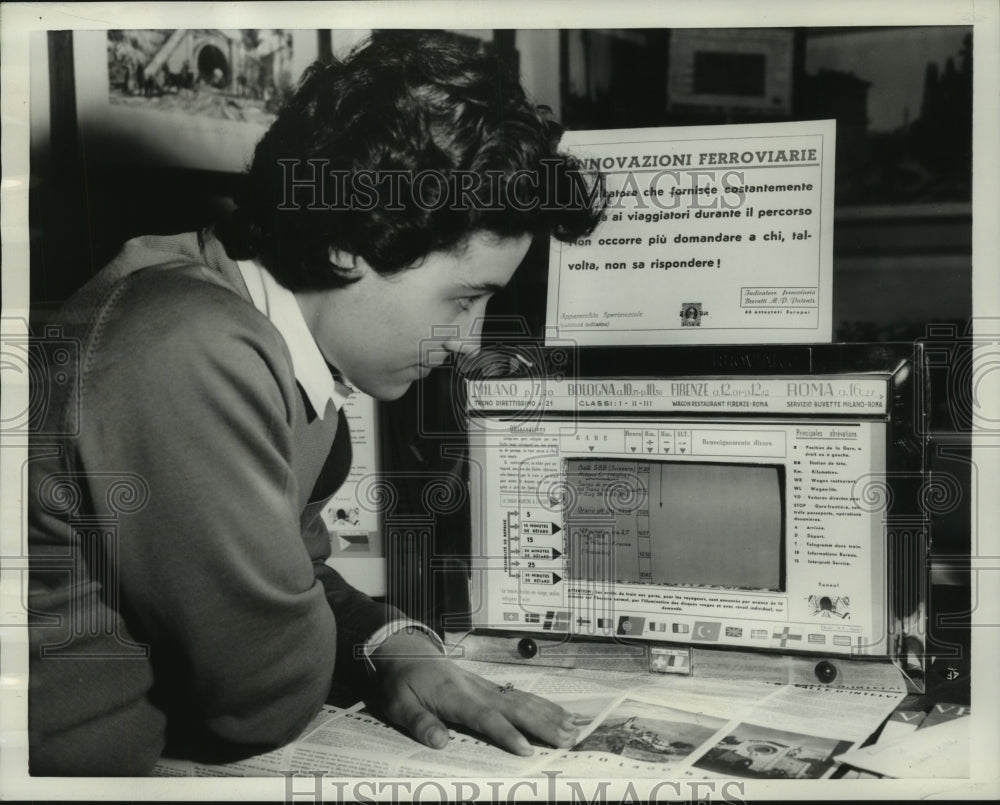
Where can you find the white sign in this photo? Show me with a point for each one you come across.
(712, 235)
(828, 395)
(356, 546)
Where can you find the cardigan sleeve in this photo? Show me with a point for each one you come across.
(194, 397)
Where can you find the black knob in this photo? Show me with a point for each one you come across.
(826, 671)
(527, 648)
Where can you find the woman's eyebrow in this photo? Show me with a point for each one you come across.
(482, 287)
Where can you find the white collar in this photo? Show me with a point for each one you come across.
(279, 305)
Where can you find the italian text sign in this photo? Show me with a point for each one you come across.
(711, 235)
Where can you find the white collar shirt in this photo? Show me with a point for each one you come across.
(279, 305)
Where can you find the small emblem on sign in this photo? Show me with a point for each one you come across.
(692, 314)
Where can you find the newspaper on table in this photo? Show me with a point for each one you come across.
(915, 744)
(632, 725)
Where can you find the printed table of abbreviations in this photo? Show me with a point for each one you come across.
(711, 235)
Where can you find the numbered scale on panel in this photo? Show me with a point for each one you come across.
(535, 547)
(537, 564)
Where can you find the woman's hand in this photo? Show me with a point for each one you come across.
(421, 689)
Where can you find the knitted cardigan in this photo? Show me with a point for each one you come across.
(178, 597)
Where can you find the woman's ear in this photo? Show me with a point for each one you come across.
(346, 261)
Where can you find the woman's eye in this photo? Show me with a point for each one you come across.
(466, 302)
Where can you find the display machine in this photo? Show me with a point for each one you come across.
(665, 508)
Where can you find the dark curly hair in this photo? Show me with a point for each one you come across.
(412, 144)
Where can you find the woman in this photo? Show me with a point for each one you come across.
(197, 438)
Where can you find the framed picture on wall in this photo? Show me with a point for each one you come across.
(190, 98)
